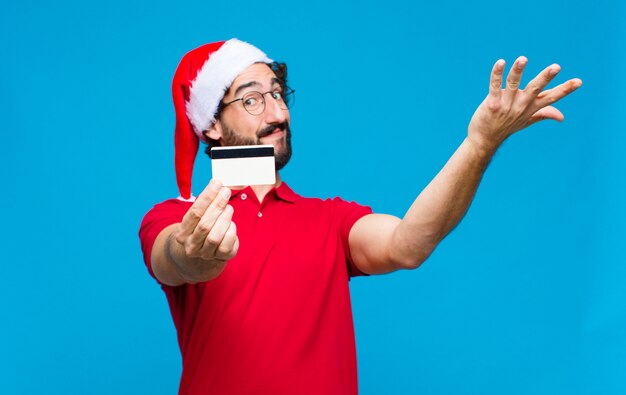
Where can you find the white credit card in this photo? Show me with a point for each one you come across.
(244, 165)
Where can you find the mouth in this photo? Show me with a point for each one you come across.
(274, 135)
(274, 131)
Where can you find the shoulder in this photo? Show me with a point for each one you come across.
(335, 203)
(336, 207)
(288, 194)
(171, 205)
(170, 210)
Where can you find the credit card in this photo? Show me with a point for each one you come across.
(244, 165)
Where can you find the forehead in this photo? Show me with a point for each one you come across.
(256, 76)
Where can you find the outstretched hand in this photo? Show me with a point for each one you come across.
(506, 111)
(207, 231)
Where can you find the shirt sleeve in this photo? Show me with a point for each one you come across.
(347, 214)
(158, 218)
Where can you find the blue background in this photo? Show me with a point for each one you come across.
(527, 295)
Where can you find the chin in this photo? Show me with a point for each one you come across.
(282, 157)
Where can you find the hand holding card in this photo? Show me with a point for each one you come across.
(244, 165)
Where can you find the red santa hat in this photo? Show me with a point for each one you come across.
(200, 82)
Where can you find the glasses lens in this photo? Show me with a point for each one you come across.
(253, 103)
(289, 97)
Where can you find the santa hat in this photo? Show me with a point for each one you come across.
(200, 82)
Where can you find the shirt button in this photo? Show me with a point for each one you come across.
(260, 214)
(244, 196)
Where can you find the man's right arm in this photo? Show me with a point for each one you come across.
(198, 248)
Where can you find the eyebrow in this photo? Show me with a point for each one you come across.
(275, 81)
(244, 86)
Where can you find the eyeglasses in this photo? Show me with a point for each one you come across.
(254, 102)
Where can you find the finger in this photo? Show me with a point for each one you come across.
(542, 80)
(217, 233)
(210, 216)
(495, 82)
(514, 77)
(547, 113)
(226, 248)
(236, 246)
(197, 210)
(555, 94)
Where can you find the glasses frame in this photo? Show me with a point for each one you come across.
(288, 98)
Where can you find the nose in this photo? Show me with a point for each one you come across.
(273, 111)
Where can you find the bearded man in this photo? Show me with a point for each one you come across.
(257, 277)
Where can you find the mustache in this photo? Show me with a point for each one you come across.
(271, 128)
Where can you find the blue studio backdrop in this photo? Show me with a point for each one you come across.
(526, 296)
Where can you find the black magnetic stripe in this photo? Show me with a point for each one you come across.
(242, 153)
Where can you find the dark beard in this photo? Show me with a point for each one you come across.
(230, 137)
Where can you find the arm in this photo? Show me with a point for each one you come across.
(198, 248)
(382, 243)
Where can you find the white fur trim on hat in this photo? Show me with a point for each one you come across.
(214, 79)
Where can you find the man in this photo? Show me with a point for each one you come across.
(257, 278)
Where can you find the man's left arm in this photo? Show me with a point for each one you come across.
(382, 243)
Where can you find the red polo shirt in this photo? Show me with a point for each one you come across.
(278, 319)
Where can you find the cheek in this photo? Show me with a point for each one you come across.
(252, 124)
(247, 128)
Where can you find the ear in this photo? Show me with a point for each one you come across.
(214, 132)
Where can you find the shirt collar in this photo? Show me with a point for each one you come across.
(283, 192)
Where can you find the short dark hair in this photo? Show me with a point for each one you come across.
(280, 69)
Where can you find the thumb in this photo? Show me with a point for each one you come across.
(547, 113)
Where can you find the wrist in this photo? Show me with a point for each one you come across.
(483, 149)
(190, 269)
